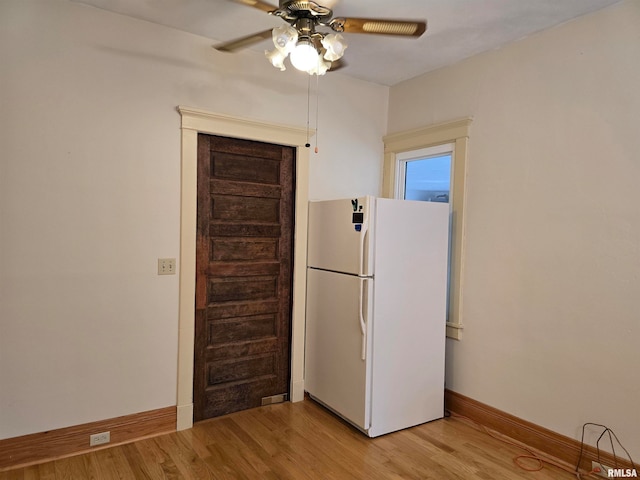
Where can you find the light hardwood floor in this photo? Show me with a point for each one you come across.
(298, 441)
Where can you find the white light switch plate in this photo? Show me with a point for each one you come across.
(166, 266)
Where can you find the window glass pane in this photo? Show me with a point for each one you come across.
(428, 179)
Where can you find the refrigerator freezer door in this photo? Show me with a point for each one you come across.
(339, 235)
(335, 373)
(410, 314)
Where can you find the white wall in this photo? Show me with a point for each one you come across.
(552, 260)
(90, 196)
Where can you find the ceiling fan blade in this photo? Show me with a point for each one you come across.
(407, 28)
(239, 43)
(259, 4)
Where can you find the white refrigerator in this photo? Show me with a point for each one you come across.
(376, 310)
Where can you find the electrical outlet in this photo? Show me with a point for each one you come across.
(99, 438)
(166, 266)
(600, 469)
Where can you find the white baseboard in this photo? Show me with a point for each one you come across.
(184, 418)
(297, 391)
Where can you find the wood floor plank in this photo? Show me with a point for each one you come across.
(46, 471)
(300, 448)
(347, 445)
(100, 464)
(12, 475)
(265, 443)
(191, 457)
(246, 457)
(136, 462)
(71, 468)
(31, 473)
(152, 459)
(94, 471)
(300, 441)
(187, 462)
(261, 459)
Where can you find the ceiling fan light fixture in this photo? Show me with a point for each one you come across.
(276, 57)
(305, 56)
(335, 45)
(313, 51)
(321, 66)
(285, 38)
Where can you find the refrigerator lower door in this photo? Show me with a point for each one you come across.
(335, 372)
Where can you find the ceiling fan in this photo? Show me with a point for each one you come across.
(310, 50)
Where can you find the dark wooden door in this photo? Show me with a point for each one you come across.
(243, 274)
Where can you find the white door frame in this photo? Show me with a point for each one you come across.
(196, 121)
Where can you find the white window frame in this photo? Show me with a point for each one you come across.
(421, 154)
(456, 133)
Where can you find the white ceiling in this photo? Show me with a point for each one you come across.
(457, 29)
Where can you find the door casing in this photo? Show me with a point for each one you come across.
(196, 121)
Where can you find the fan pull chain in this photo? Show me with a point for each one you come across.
(317, 109)
(308, 144)
(308, 108)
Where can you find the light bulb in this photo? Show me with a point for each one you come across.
(305, 56)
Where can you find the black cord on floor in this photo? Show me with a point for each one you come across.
(612, 435)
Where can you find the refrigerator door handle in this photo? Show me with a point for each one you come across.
(363, 236)
(363, 325)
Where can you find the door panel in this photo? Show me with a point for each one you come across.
(239, 208)
(335, 372)
(243, 274)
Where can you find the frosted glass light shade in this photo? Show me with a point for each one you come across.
(276, 57)
(285, 38)
(335, 45)
(305, 56)
(321, 66)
